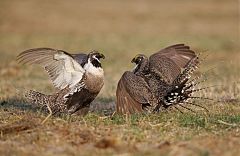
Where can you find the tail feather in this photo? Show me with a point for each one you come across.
(180, 94)
(200, 106)
(187, 72)
(37, 97)
(178, 109)
(187, 108)
(183, 88)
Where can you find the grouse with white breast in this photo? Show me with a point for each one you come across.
(78, 79)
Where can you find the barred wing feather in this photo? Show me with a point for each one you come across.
(169, 62)
(62, 68)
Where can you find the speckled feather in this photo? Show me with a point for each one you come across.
(163, 72)
(133, 94)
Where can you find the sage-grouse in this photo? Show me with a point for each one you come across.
(165, 76)
(78, 79)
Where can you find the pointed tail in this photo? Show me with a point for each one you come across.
(36, 97)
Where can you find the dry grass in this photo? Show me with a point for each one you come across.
(120, 30)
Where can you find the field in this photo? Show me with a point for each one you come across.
(120, 30)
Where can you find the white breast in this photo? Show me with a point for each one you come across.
(90, 68)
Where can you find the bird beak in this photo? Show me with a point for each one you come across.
(102, 56)
(133, 60)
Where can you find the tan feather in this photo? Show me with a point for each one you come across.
(61, 67)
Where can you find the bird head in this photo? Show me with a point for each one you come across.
(141, 61)
(138, 59)
(94, 57)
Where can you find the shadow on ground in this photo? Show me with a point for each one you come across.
(17, 103)
(99, 106)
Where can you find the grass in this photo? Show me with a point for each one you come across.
(120, 30)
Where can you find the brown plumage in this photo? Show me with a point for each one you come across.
(166, 74)
(78, 78)
(133, 94)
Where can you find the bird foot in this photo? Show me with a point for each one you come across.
(49, 115)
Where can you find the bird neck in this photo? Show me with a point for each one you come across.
(141, 67)
(96, 63)
(93, 69)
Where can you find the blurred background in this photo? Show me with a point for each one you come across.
(120, 30)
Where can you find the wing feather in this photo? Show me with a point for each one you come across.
(132, 93)
(169, 62)
(62, 68)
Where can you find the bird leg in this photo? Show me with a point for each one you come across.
(49, 115)
(113, 114)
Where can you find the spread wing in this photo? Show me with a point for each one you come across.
(132, 94)
(80, 58)
(168, 62)
(60, 65)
